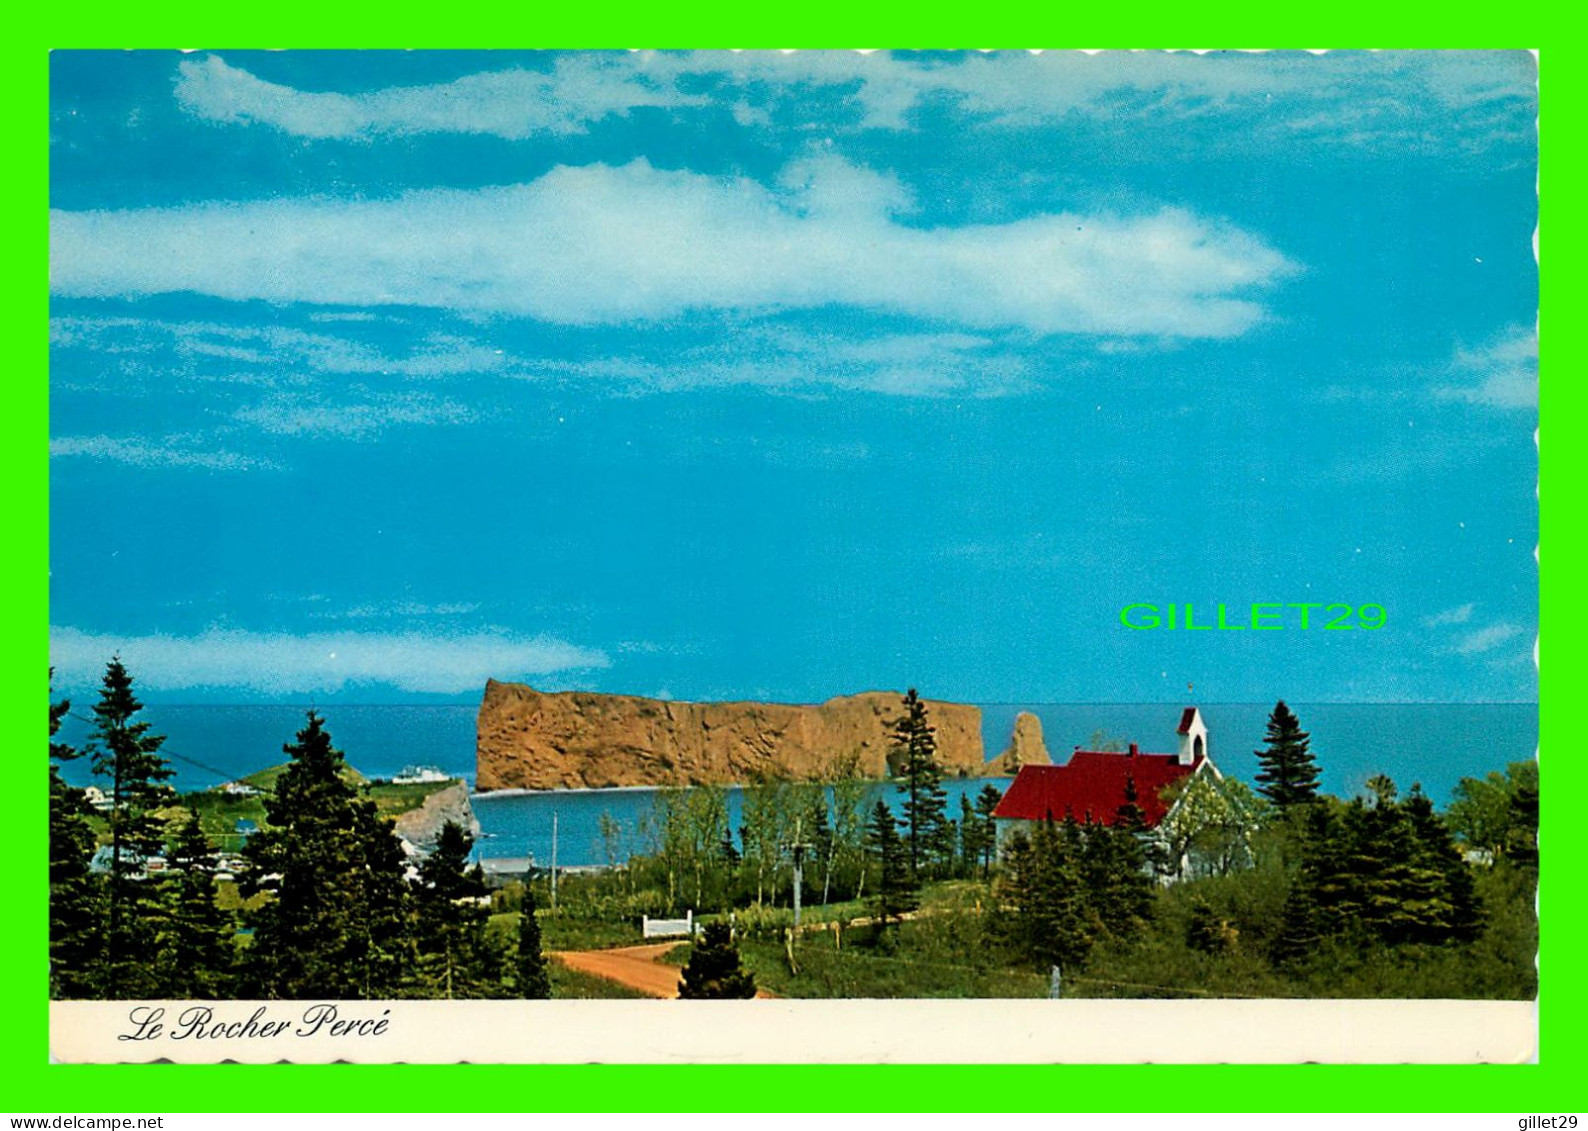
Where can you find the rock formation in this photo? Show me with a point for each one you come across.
(1026, 747)
(421, 826)
(528, 739)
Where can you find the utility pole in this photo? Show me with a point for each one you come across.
(554, 861)
(797, 851)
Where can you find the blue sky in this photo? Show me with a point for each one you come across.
(762, 375)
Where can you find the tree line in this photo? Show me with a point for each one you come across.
(331, 906)
(1285, 879)
(1289, 884)
(688, 854)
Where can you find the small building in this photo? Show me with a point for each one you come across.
(239, 789)
(499, 870)
(421, 775)
(97, 798)
(1095, 784)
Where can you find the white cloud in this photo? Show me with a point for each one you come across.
(311, 415)
(412, 609)
(1461, 614)
(598, 244)
(1487, 639)
(280, 349)
(891, 363)
(511, 104)
(173, 451)
(1502, 373)
(281, 664)
(1351, 97)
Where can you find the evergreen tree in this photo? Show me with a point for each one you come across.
(729, 853)
(335, 925)
(197, 949)
(1205, 930)
(987, 801)
(1043, 883)
(534, 976)
(1119, 887)
(1130, 816)
(713, 970)
(896, 886)
(925, 799)
(75, 912)
(969, 837)
(1298, 937)
(1289, 774)
(455, 956)
(1462, 918)
(124, 751)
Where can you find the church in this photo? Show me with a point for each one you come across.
(1095, 784)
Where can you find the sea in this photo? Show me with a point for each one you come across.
(1433, 744)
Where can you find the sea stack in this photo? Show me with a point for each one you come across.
(1026, 747)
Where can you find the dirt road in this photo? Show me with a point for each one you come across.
(633, 966)
(637, 967)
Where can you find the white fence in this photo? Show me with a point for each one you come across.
(661, 928)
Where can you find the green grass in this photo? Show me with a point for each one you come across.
(566, 983)
(265, 779)
(219, 811)
(564, 932)
(394, 800)
(908, 966)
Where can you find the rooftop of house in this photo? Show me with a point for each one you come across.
(1093, 785)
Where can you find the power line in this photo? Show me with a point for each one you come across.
(223, 775)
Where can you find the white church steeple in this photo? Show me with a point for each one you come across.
(1193, 736)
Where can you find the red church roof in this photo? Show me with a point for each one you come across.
(1091, 786)
(1186, 717)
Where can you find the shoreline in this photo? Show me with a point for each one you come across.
(486, 795)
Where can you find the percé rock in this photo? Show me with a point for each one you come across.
(528, 739)
(421, 826)
(1026, 747)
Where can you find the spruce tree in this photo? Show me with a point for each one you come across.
(529, 961)
(1124, 896)
(969, 836)
(728, 851)
(1462, 919)
(925, 799)
(713, 970)
(456, 958)
(1042, 880)
(335, 923)
(1289, 774)
(197, 948)
(1130, 816)
(986, 802)
(896, 886)
(76, 917)
(1205, 930)
(1297, 941)
(124, 751)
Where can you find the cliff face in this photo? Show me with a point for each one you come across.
(527, 739)
(1026, 747)
(421, 826)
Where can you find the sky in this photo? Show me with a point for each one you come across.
(782, 376)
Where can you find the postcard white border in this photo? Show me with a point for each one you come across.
(1075, 1031)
